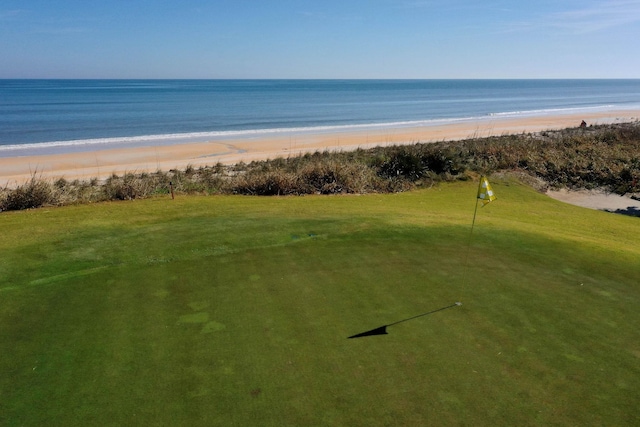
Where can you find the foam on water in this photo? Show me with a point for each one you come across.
(548, 111)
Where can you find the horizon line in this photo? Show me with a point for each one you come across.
(323, 78)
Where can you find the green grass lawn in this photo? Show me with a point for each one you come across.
(236, 311)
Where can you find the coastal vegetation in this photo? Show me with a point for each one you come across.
(604, 156)
(235, 311)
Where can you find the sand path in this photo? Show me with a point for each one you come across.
(598, 199)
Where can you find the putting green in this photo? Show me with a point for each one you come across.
(236, 311)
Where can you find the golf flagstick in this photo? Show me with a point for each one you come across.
(486, 195)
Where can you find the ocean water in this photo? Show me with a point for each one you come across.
(48, 116)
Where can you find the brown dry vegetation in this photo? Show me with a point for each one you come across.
(606, 156)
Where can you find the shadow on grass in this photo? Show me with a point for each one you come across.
(382, 330)
(630, 211)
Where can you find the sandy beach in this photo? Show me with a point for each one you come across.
(101, 164)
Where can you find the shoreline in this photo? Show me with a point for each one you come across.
(103, 163)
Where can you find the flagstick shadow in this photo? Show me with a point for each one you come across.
(382, 330)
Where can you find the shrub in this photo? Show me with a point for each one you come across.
(441, 162)
(127, 187)
(34, 194)
(276, 183)
(403, 163)
(333, 177)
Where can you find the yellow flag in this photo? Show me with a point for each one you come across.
(485, 193)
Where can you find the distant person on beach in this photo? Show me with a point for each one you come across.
(583, 124)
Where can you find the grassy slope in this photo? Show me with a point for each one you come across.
(235, 311)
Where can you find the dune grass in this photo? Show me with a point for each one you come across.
(231, 310)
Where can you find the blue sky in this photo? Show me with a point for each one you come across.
(319, 39)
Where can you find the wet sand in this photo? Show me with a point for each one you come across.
(103, 163)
